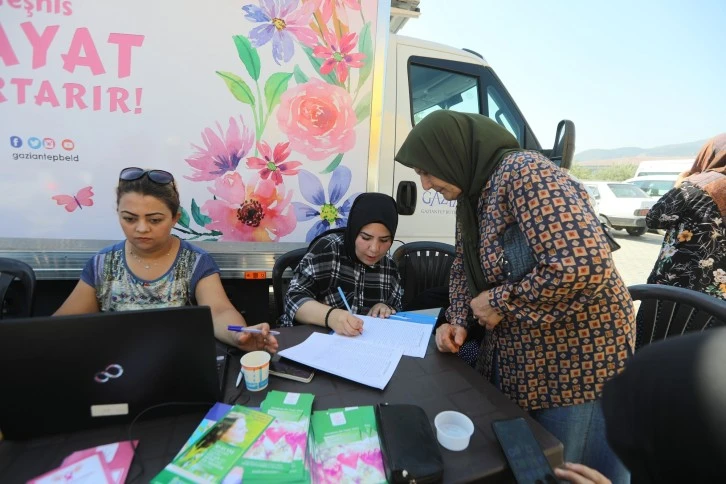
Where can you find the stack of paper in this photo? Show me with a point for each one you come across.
(370, 358)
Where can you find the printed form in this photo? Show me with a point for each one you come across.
(411, 338)
(350, 358)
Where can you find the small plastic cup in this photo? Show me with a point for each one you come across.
(453, 430)
(256, 370)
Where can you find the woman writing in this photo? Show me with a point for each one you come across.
(153, 269)
(558, 333)
(354, 259)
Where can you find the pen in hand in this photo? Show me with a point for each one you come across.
(345, 301)
(245, 329)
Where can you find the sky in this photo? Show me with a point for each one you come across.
(641, 73)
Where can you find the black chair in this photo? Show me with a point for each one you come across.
(16, 299)
(667, 311)
(424, 266)
(287, 260)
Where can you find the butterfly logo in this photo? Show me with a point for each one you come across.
(79, 200)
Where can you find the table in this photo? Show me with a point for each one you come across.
(436, 383)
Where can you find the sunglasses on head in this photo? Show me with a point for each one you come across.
(132, 173)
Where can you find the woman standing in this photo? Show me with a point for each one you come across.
(563, 326)
(694, 248)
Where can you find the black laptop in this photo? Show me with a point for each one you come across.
(60, 374)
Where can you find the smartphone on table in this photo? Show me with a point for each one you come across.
(524, 455)
(292, 370)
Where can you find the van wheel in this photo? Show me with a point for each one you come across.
(636, 230)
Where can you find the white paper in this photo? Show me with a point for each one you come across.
(350, 358)
(411, 338)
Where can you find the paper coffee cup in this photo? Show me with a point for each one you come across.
(256, 370)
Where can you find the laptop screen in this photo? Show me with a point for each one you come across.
(65, 373)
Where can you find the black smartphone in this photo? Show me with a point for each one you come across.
(291, 370)
(524, 455)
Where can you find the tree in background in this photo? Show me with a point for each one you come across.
(611, 173)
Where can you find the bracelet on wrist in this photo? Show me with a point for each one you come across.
(327, 316)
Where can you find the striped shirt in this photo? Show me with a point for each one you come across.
(326, 267)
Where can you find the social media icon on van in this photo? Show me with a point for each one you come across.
(35, 143)
(16, 141)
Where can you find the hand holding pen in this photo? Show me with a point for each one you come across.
(345, 323)
(257, 337)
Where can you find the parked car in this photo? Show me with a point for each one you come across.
(621, 205)
(654, 185)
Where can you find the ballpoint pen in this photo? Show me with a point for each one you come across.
(244, 329)
(239, 379)
(345, 301)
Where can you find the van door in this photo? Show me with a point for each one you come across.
(426, 84)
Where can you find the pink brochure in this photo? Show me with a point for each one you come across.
(91, 470)
(117, 457)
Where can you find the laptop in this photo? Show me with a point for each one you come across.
(66, 373)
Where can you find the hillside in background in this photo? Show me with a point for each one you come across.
(682, 150)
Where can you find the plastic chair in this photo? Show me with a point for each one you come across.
(287, 260)
(668, 311)
(423, 266)
(16, 303)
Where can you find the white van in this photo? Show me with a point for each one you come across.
(663, 167)
(654, 185)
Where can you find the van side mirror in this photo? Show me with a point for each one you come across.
(564, 149)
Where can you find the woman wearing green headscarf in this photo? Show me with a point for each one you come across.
(533, 266)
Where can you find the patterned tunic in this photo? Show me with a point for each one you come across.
(326, 266)
(118, 289)
(568, 325)
(694, 248)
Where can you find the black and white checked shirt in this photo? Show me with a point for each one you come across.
(326, 267)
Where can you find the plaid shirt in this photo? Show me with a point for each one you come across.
(326, 267)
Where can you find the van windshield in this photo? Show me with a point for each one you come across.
(626, 190)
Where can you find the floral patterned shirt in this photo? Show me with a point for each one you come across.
(326, 267)
(693, 254)
(569, 324)
(119, 289)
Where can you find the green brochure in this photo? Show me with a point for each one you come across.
(345, 446)
(214, 457)
(279, 453)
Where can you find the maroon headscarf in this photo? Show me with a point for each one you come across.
(712, 158)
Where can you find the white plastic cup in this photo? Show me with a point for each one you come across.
(256, 370)
(453, 430)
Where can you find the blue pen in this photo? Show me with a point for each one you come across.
(245, 329)
(345, 301)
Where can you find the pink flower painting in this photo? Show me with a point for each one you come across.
(318, 119)
(221, 152)
(259, 211)
(273, 164)
(338, 55)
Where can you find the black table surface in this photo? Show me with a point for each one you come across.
(436, 383)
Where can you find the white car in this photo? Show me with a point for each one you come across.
(654, 185)
(621, 205)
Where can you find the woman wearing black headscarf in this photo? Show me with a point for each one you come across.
(533, 266)
(354, 259)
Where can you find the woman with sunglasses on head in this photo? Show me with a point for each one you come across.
(151, 268)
